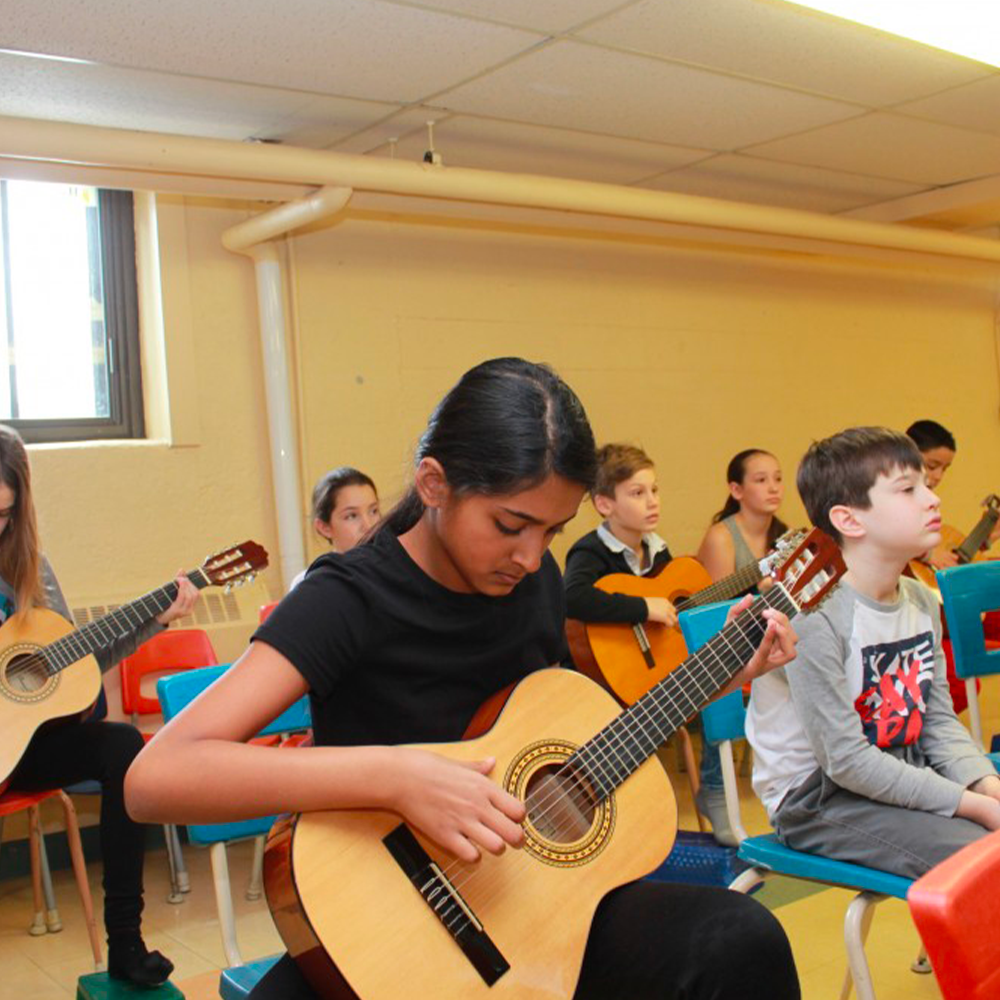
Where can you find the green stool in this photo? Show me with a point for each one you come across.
(100, 986)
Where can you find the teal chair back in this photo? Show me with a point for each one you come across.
(176, 692)
(968, 592)
(722, 719)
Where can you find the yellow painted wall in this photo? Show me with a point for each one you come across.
(694, 353)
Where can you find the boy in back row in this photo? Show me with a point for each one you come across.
(858, 754)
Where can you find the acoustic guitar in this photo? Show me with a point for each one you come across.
(371, 909)
(629, 659)
(966, 549)
(48, 670)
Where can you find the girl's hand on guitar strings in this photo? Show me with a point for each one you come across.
(775, 650)
(456, 805)
(183, 604)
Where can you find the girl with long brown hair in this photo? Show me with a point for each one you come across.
(88, 749)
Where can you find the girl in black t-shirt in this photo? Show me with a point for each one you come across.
(455, 595)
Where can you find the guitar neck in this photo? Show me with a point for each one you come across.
(966, 552)
(728, 587)
(606, 760)
(118, 624)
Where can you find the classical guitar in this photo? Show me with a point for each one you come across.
(966, 549)
(371, 909)
(629, 659)
(48, 670)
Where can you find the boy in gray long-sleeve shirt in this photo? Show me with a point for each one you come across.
(858, 754)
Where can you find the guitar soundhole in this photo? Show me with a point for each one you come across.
(560, 804)
(26, 674)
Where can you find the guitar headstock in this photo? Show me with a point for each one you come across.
(236, 565)
(811, 570)
(783, 548)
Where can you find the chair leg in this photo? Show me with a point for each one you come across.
(856, 923)
(183, 881)
(224, 903)
(749, 880)
(37, 927)
(53, 922)
(975, 718)
(686, 751)
(256, 883)
(80, 871)
(732, 792)
(175, 896)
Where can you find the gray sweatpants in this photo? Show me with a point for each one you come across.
(822, 818)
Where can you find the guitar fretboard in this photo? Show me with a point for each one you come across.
(966, 552)
(116, 625)
(722, 590)
(606, 760)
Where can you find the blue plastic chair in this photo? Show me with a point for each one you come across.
(175, 693)
(968, 592)
(723, 720)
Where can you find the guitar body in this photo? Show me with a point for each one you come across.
(951, 539)
(358, 927)
(615, 651)
(29, 699)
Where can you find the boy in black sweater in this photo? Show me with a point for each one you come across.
(627, 497)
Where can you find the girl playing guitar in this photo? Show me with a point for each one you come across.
(88, 749)
(399, 640)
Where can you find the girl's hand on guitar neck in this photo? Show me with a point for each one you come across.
(775, 650)
(183, 604)
(659, 609)
(455, 804)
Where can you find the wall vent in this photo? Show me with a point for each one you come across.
(229, 618)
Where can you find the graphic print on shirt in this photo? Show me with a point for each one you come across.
(895, 683)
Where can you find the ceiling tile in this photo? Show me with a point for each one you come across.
(579, 86)
(892, 146)
(93, 94)
(975, 106)
(531, 149)
(764, 182)
(782, 43)
(551, 16)
(352, 48)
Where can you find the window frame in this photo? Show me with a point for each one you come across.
(121, 321)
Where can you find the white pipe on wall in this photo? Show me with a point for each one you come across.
(61, 142)
(251, 237)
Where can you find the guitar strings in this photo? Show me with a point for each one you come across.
(627, 724)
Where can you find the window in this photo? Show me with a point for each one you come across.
(68, 313)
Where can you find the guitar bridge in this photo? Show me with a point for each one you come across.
(447, 903)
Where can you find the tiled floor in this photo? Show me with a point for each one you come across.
(46, 968)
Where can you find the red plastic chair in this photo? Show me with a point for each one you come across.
(174, 649)
(48, 918)
(169, 651)
(956, 907)
(265, 610)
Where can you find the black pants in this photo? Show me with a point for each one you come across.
(80, 751)
(655, 941)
